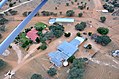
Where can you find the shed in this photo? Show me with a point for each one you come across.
(61, 20)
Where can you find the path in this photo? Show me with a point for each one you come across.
(16, 6)
(18, 51)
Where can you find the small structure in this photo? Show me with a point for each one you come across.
(64, 51)
(32, 34)
(115, 53)
(103, 11)
(61, 20)
(65, 63)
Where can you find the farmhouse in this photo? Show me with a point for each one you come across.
(64, 51)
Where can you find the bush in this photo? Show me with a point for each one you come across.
(71, 59)
(43, 47)
(80, 26)
(103, 19)
(2, 64)
(89, 46)
(89, 33)
(36, 76)
(67, 4)
(52, 71)
(80, 14)
(67, 34)
(103, 31)
(37, 40)
(78, 34)
(70, 13)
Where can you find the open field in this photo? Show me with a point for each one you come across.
(37, 61)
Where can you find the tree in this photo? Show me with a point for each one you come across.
(52, 71)
(36, 76)
(70, 13)
(103, 19)
(67, 4)
(67, 34)
(37, 40)
(89, 46)
(89, 33)
(0, 35)
(77, 70)
(70, 59)
(57, 30)
(78, 34)
(103, 30)
(3, 21)
(80, 14)
(43, 47)
(2, 63)
(75, 0)
(103, 40)
(80, 26)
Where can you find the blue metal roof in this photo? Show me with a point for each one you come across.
(67, 48)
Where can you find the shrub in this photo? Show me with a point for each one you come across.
(52, 71)
(67, 4)
(71, 59)
(43, 47)
(2, 64)
(80, 14)
(70, 13)
(36, 76)
(89, 33)
(103, 19)
(78, 34)
(80, 26)
(67, 34)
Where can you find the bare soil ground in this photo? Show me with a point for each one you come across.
(38, 61)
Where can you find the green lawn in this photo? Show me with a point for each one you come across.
(40, 24)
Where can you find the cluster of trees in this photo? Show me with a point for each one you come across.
(36, 76)
(57, 30)
(77, 70)
(70, 13)
(103, 30)
(47, 13)
(26, 13)
(108, 7)
(52, 71)
(80, 26)
(24, 42)
(83, 6)
(103, 40)
(3, 21)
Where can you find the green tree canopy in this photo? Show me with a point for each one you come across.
(80, 26)
(103, 19)
(52, 71)
(2, 64)
(36, 76)
(103, 30)
(70, 13)
(103, 40)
